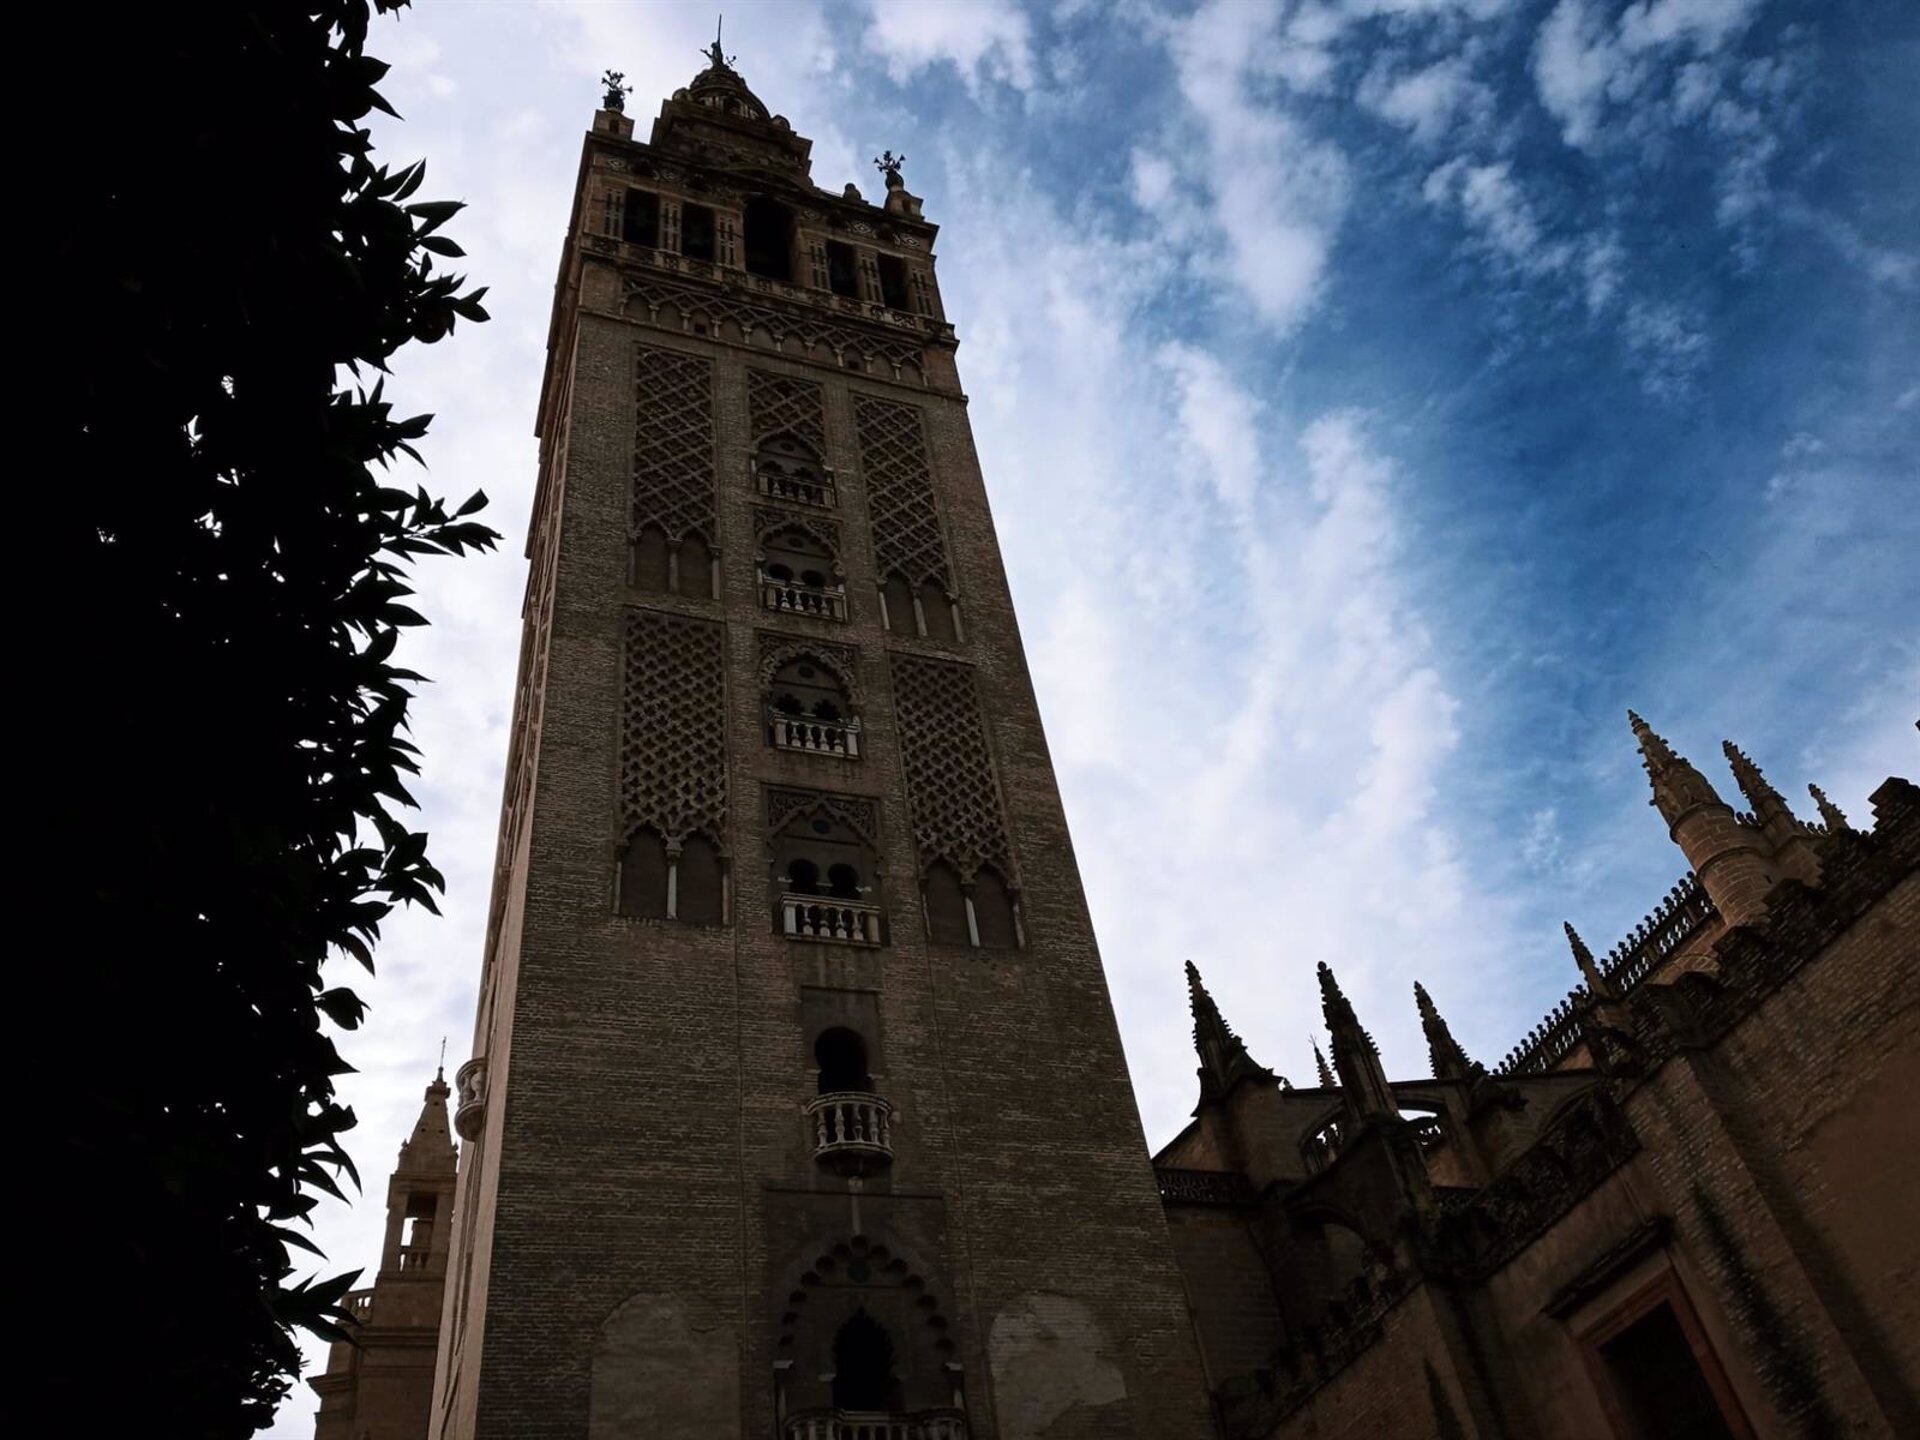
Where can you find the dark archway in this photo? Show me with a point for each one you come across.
(863, 1377)
(842, 1057)
(768, 227)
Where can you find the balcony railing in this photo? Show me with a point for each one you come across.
(851, 1125)
(795, 489)
(470, 1109)
(860, 1425)
(789, 597)
(820, 917)
(814, 735)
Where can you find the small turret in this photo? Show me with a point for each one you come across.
(1730, 856)
(1355, 1058)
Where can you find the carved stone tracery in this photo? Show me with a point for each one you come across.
(906, 522)
(782, 404)
(951, 786)
(673, 746)
(842, 661)
(673, 476)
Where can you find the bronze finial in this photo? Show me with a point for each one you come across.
(888, 164)
(616, 84)
(713, 52)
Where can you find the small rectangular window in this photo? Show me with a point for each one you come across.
(640, 223)
(696, 232)
(843, 276)
(893, 282)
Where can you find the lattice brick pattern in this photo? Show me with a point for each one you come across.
(673, 744)
(781, 404)
(951, 788)
(893, 457)
(673, 444)
(770, 328)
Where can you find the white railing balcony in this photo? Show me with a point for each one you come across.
(813, 735)
(790, 597)
(862, 1425)
(851, 1125)
(822, 917)
(796, 489)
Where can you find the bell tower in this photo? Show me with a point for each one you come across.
(797, 1103)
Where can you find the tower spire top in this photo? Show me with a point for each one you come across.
(1322, 1069)
(1677, 786)
(1224, 1060)
(1355, 1058)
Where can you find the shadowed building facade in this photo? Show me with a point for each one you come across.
(797, 1107)
(797, 1094)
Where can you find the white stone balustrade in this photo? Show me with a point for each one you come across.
(851, 1123)
(814, 735)
(790, 597)
(795, 489)
(859, 1425)
(470, 1108)
(821, 917)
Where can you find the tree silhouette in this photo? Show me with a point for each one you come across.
(225, 579)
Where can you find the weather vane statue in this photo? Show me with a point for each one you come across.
(888, 164)
(721, 60)
(616, 83)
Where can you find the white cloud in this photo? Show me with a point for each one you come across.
(985, 40)
(1669, 346)
(1431, 103)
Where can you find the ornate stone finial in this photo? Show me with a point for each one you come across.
(1356, 1059)
(888, 164)
(1598, 985)
(1449, 1061)
(1834, 817)
(616, 96)
(1324, 1070)
(1224, 1060)
(1760, 793)
(1342, 1023)
(1677, 786)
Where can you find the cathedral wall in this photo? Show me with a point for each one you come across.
(1229, 1287)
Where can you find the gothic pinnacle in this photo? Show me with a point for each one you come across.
(1322, 1069)
(1338, 1010)
(1223, 1055)
(1755, 786)
(1448, 1060)
(1834, 817)
(1677, 786)
(1598, 985)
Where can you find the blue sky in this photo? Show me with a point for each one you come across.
(1422, 382)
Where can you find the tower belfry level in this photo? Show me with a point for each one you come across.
(797, 1092)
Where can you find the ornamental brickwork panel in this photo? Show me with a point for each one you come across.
(951, 788)
(673, 479)
(780, 404)
(673, 742)
(906, 523)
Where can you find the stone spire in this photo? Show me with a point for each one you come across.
(1449, 1061)
(1831, 814)
(429, 1150)
(1322, 1069)
(1224, 1061)
(1677, 786)
(1767, 802)
(1598, 985)
(1355, 1059)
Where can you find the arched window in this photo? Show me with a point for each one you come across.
(993, 910)
(898, 597)
(799, 575)
(937, 610)
(827, 879)
(643, 876)
(809, 710)
(768, 232)
(842, 1057)
(803, 877)
(863, 1377)
(843, 882)
(788, 469)
(699, 883)
(946, 906)
(696, 568)
(652, 568)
